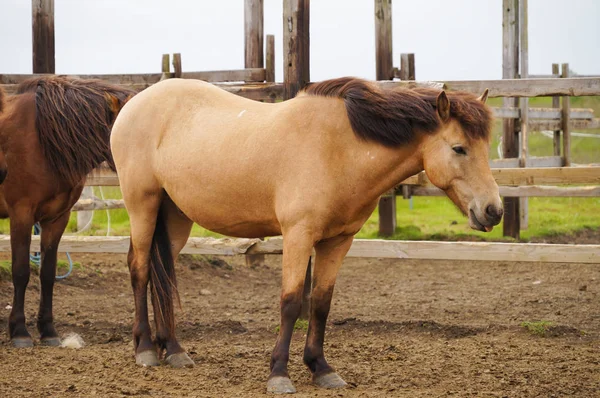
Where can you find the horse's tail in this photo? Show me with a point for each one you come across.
(163, 282)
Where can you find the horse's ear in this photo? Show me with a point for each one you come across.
(443, 106)
(483, 97)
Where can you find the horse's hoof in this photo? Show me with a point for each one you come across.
(50, 341)
(147, 358)
(280, 385)
(22, 342)
(329, 380)
(180, 360)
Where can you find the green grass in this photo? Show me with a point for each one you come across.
(436, 218)
(301, 324)
(539, 328)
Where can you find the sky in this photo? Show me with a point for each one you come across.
(451, 39)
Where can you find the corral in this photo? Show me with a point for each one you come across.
(505, 319)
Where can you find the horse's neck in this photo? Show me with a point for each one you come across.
(384, 168)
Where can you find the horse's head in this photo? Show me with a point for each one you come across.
(456, 158)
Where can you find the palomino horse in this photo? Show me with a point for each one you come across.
(53, 132)
(311, 169)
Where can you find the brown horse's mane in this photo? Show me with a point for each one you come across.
(73, 120)
(392, 117)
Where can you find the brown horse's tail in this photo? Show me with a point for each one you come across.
(163, 282)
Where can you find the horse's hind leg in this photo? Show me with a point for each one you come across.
(142, 217)
(329, 257)
(50, 238)
(21, 223)
(297, 247)
(178, 228)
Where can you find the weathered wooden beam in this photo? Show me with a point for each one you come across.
(43, 36)
(177, 67)
(566, 115)
(556, 125)
(542, 113)
(556, 105)
(503, 176)
(574, 86)
(234, 75)
(510, 137)
(270, 59)
(532, 161)
(253, 33)
(92, 204)
(524, 191)
(531, 176)
(296, 46)
(365, 248)
(384, 65)
(384, 70)
(407, 67)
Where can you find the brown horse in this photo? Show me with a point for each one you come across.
(311, 168)
(53, 132)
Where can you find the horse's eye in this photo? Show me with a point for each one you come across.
(459, 150)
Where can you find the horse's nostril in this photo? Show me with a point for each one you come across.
(494, 212)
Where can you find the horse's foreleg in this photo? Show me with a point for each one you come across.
(21, 224)
(297, 248)
(50, 238)
(329, 257)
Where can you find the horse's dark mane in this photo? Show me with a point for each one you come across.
(73, 119)
(392, 117)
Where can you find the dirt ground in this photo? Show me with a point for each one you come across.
(397, 328)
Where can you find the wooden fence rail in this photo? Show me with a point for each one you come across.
(503, 176)
(366, 248)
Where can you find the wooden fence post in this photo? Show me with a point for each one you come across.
(566, 120)
(165, 67)
(253, 33)
(177, 69)
(383, 40)
(556, 104)
(296, 74)
(270, 59)
(385, 71)
(524, 53)
(407, 67)
(296, 46)
(510, 141)
(43, 36)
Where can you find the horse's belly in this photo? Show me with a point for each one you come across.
(232, 212)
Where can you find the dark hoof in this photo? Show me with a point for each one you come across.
(280, 385)
(180, 360)
(22, 342)
(329, 380)
(147, 358)
(50, 341)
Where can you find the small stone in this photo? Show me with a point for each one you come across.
(205, 292)
(536, 282)
(8, 307)
(583, 288)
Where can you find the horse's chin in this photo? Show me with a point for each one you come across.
(476, 225)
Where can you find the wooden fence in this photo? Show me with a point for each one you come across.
(366, 248)
(256, 81)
